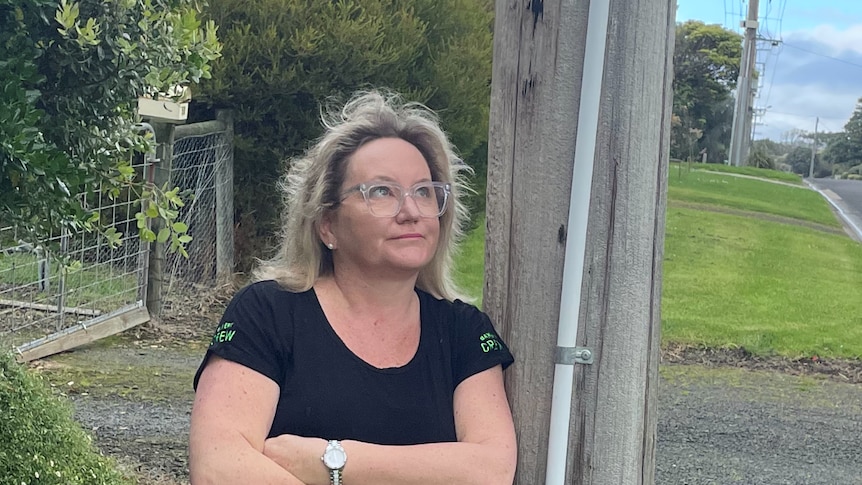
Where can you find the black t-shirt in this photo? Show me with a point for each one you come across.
(329, 392)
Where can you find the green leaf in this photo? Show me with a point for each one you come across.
(180, 227)
(148, 235)
(164, 234)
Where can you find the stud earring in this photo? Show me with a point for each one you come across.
(330, 246)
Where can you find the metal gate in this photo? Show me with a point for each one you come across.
(83, 289)
(77, 288)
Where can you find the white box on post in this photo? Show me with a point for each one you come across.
(163, 110)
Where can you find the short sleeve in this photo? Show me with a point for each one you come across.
(249, 334)
(477, 346)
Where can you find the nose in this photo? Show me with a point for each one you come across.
(409, 210)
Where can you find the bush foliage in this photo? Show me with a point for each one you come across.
(283, 59)
(70, 75)
(40, 443)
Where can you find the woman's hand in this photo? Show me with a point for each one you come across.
(300, 456)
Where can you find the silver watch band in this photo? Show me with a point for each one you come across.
(335, 477)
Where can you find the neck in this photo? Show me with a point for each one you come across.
(364, 295)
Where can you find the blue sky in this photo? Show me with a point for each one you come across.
(815, 68)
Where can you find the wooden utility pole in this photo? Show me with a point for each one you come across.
(813, 149)
(740, 134)
(538, 69)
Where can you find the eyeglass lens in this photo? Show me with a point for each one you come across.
(385, 200)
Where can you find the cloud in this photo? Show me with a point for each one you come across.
(835, 41)
(797, 106)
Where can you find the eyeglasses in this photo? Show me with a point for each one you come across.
(386, 199)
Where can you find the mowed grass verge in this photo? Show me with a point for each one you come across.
(721, 190)
(774, 288)
(763, 173)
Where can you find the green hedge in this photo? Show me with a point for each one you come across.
(40, 443)
(283, 59)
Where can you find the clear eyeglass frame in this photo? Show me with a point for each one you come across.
(391, 199)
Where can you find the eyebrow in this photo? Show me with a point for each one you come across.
(384, 178)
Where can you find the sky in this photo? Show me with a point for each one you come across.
(810, 60)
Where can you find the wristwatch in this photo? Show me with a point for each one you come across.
(334, 457)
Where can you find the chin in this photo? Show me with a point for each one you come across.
(412, 263)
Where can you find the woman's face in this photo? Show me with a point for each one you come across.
(399, 244)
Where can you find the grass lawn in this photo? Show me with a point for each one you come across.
(101, 286)
(772, 288)
(752, 171)
(470, 263)
(747, 194)
(735, 281)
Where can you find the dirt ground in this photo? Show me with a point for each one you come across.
(725, 416)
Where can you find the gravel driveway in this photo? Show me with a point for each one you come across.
(717, 425)
(763, 427)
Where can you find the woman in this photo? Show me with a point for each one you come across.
(351, 359)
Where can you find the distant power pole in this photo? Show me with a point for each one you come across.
(813, 149)
(742, 112)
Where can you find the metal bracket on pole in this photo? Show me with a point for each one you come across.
(573, 355)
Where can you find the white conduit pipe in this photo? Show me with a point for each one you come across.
(576, 240)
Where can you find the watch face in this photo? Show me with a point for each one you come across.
(334, 458)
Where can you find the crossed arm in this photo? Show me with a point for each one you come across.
(233, 412)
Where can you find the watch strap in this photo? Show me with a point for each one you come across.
(335, 475)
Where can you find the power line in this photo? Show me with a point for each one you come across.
(778, 49)
(806, 116)
(823, 55)
(801, 115)
(774, 42)
(828, 129)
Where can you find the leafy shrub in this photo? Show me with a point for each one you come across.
(70, 75)
(822, 171)
(760, 159)
(799, 160)
(283, 59)
(40, 443)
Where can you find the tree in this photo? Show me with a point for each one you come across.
(770, 148)
(799, 160)
(706, 66)
(283, 59)
(794, 137)
(70, 75)
(844, 149)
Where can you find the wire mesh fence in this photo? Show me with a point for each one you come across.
(77, 280)
(74, 278)
(197, 160)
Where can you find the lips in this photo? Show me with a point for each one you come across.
(409, 236)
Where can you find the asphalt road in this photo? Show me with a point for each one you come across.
(847, 195)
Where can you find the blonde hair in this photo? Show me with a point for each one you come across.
(313, 183)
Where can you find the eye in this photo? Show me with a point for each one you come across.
(380, 191)
(424, 191)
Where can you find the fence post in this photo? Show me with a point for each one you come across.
(161, 176)
(224, 201)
